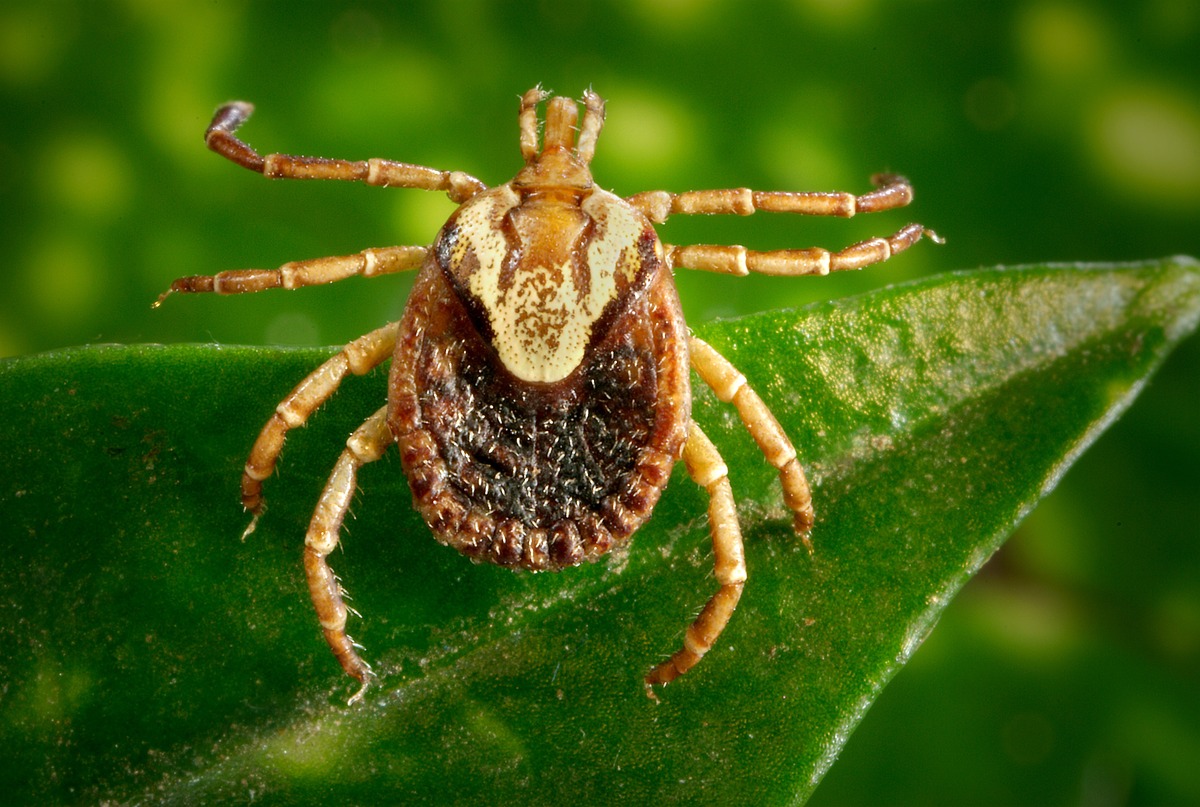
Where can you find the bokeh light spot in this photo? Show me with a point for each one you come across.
(417, 217)
(88, 175)
(1171, 20)
(32, 39)
(1174, 624)
(1148, 142)
(63, 280)
(836, 13)
(10, 343)
(1063, 40)
(375, 92)
(671, 17)
(649, 135)
(990, 104)
(307, 749)
(191, 42)
(796, 158)
(355, 32)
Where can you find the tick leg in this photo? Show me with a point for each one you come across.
(367, 444)
(737, 260)
(891, 192)
(294, 275)
(358, 357)
(220, 138)
(731, 387)
(706, 467)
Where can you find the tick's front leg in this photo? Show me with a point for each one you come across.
(228, 119)
(891, 191)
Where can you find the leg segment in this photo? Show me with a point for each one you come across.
(358, 357)
(731, 387)
(367, 444)
(891, 192)
(737, 260)
(293, 275)
(220, 138)
(706, 467)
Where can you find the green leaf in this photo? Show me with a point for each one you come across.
(152, 656)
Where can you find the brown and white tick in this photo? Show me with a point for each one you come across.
(539, 389)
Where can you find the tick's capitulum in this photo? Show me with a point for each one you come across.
(539, 391)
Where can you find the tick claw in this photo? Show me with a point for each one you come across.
(368, 675)
(362, 690)
(250, 527)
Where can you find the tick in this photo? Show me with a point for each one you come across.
(539, 390)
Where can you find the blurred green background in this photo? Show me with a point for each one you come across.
(1069, 671)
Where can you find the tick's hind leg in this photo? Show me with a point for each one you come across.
(367, 444)
(890, 192)
(731, 387)
(706, 467)
(358, 357)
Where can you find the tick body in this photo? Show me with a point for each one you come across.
(539, 391)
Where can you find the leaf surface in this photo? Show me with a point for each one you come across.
(152, 656)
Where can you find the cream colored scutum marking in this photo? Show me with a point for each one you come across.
(542, 321)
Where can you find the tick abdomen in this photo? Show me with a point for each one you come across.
(538, 475)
